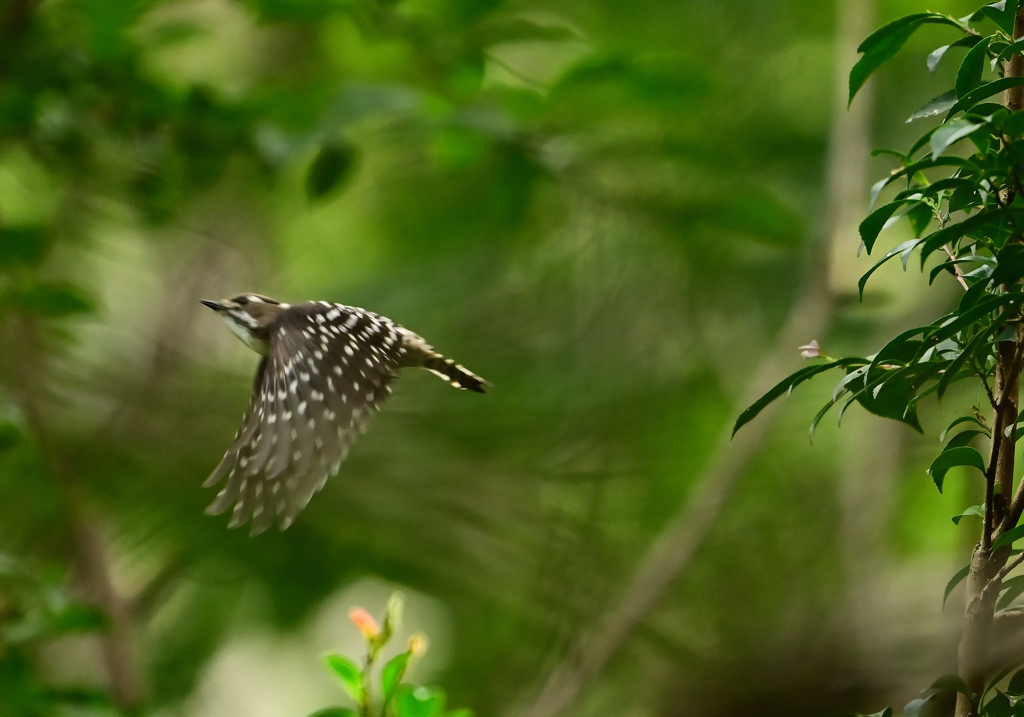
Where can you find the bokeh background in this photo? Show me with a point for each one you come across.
(624, 214)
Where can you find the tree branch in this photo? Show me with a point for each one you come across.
(126, 682)
(956, 267)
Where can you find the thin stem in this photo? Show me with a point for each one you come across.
(990, 482)
(1015, 366)
(1016, 506)
(997, 580)
(956, 267)
(365, 705)
(988, 389)
(1007, 569)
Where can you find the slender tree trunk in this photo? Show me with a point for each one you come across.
(120, 651)
(984, 579)
(974, 640)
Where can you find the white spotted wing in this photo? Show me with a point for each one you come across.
(327, 367)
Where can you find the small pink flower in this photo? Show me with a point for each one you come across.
(365, 622)
(811, 350)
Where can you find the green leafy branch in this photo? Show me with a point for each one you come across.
(967, 209)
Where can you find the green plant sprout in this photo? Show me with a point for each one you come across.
(392, 697)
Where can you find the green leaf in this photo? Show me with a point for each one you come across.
(393, 616)
(914, 707)
(935, 106)
(958, 363)
(987, 90)
(1009, 537)
(874, 222)
(1012, 49)
(952, 132)
(902, 348)
(934, 189)
(982, 141)
(883, 44)
(788, 384)
(968, 318)
(998, 706)
(947, 267)
(331, 167)
(962, 456)
(50, 300)
(348, 673)
(1013, 125)
(975, 511)
(953, 582)
(920, 165)
(820, 415)
(964, 438)
(936, 368)
(23, 246)
(921, 142)
(899, 249)
(1016, 686)
(1011, 264)
(986, 220)
(1011, 590)
(919, 216)
(969, 75)
(844, 383)
(933, 369)
(962, 198)
(1001, 13)
(391, 675)
(951, 683)
(464, 712)
(972, 297)
(936, 55)
(999, 677)
(419, 701)
(891, 396)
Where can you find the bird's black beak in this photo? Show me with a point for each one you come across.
(215, 305)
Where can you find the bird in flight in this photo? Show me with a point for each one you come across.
(324, 368)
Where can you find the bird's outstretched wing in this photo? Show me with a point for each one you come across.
(327, 367)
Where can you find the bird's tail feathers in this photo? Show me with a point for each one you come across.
(458, 376)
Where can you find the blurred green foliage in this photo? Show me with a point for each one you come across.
(604, 208)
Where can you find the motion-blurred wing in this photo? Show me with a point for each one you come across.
(328, 365)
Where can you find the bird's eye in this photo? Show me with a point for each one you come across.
(241, 301)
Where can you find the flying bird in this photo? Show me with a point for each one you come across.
(325, 367)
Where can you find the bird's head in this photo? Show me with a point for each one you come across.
(249, 316)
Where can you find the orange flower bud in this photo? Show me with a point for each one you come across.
(365, 622)
(417, 644)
